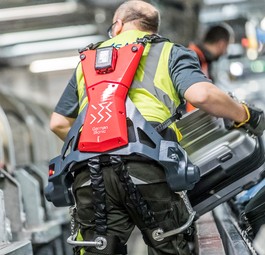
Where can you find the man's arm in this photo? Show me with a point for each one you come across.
(60, 124)
(209, 98)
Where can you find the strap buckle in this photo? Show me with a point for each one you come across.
(153, 38)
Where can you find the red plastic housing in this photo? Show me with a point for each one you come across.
(105, 126)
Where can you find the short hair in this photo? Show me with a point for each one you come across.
(145, 19)
(216, 34)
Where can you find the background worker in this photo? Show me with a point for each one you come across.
(213, 45)
(166, 73)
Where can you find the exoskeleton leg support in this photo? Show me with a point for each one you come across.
(100, 242)
(154, 233)
(159, 235)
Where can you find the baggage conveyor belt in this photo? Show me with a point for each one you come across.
(235, 240)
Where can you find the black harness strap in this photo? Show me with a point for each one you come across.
(91, 46)
(135, 196)
(99, 196)
(114, 246)
(153, 38)
(162, 126)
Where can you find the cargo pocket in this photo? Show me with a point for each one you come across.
(179, 212)
(83, 193)
(166, 205)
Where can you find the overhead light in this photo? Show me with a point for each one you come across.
(25, 49)
(37, 11)
(54, 64)
(230, 11)
(46, 34)
(212, 2)
(227, 12)
(236, 69)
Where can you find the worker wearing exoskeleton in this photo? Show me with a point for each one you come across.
(166, 73)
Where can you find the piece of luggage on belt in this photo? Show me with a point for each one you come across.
(244, 197)
(255, 211)
(229, 160)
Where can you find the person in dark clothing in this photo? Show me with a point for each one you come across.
(213, 45)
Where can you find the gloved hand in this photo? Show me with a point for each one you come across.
(256, 122)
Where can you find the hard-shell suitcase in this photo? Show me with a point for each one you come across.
(229, 160)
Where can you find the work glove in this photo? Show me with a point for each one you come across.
(255, 124)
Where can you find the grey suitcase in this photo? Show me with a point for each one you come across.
(229, 160)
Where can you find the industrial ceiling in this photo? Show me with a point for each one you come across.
(32, 29)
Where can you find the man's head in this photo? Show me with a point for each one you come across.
(136, 15)
(216, 40)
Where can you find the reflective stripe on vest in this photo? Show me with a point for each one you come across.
(153, 87)
(152, 84)
(81, 88)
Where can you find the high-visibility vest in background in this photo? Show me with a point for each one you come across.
(202, 59)
(204, 68)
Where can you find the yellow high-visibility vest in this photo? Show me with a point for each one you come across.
(152, 91)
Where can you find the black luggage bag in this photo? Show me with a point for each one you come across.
(229, 160)
(255, 211)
